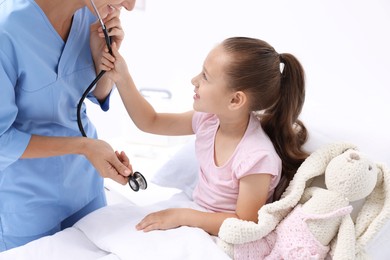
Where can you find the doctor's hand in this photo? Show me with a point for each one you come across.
(109, 164)
(114, 27)
(114, 30)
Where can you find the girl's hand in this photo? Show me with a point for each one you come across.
(163, 220)
(115, 66)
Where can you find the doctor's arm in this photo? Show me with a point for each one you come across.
(98, 152)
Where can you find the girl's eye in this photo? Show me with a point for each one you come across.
(204, 76)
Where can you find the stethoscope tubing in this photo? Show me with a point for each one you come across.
(81, 101)
(137, 180)
(93, 83)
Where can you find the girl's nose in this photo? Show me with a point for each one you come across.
(194, 81)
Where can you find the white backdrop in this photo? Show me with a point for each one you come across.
(344, 46)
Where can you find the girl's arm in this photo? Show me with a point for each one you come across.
(146, 118)
(252, 196)
(139, 109)
(176, 217)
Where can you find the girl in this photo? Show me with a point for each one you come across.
(248, 136)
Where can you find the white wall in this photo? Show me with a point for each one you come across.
(344, 46)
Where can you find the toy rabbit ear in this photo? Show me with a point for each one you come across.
(375, 212)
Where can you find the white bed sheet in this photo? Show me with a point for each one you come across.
(120, 237)
(109, 233)
(70, 243)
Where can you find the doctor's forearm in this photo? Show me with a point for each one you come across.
(45, 146)
(98, 152)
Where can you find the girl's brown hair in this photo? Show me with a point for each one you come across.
(275, 84)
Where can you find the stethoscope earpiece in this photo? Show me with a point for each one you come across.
(137, 181)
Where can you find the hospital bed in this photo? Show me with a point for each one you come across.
(109, 233)
(335, 112)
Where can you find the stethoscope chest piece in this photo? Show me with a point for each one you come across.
(137, 181)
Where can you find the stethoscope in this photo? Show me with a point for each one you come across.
(137, 180)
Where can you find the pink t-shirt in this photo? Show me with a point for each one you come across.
(217, 188)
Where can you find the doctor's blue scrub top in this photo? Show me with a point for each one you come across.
(41, 81)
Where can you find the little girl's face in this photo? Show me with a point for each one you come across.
(211, 92)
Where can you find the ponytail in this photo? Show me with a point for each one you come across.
(281, 122)
(276, 87)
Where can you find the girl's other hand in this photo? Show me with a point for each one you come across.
(161, 220)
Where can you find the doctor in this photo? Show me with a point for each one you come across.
(50, 176)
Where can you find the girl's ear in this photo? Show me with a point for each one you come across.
(239, 99)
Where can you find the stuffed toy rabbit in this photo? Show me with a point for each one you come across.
(311, 222)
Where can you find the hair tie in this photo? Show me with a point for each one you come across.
(281, 64)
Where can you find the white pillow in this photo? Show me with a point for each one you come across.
(370, 140)
(181, 171)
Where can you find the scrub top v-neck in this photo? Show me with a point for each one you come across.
(41, 84)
